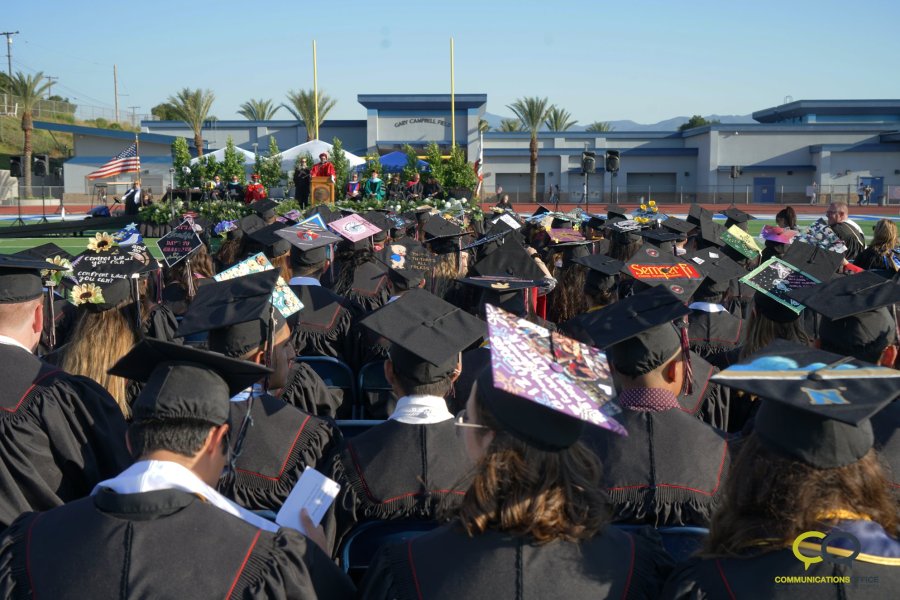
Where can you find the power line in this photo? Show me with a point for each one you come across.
(9, 35)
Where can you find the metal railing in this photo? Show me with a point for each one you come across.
(68, 111)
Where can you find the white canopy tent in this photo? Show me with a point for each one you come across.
(315, 148)
(249, 157)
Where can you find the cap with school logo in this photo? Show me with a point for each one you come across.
(656, 267)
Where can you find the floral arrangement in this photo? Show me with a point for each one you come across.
(222, 210)
(160, 213)
(647, 213)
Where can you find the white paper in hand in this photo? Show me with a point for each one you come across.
(315, 493)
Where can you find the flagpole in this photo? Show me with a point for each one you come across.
(316, 87)
(137, 152)
(452, 101)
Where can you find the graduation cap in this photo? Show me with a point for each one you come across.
(595, 222)
(573, 248)
(550, 390)
(638, 332)
(427, 334)
(184, 383)
(625, 231)
(711, 232)
(735, 216)
(45, 252)
(308, 243)
(602, 270)
(441, 228)
(616, 211)
(104, 279)
(21, 278)
(236, 312)
(719, 269)
(662, 239)
(657, 267)
(779, 235)
(381, 221)
(678, 226)
(273, 244)
(697, 214)
(325, 211)
(858, 319)
(816, 405)
(541, 210)
(265, 209)
(509, 260)
(818, 262)
(250, 223)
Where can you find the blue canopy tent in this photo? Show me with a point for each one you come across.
(395, 162)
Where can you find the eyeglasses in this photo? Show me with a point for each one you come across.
(461, 421)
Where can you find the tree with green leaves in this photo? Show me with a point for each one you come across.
(696, 121)
(599, 127)
(165, 112)
(459, 177)
(258, 110)
(28, 90)
(435, 160)
(192, 107)
(270, 173)
(181, 157)
(510, 125)
(303, 107)
(232, 163)
(559, 119)
(483, 126)
(532, 112)
(412, 163)
(341, 167)
(373, 163)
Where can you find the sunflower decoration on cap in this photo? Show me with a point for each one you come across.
(54, 278)
(87, 293)
(101, 242)
(647, 213)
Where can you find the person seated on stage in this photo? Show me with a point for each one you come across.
(61, 433)
(255, 191)
(354, 188)
(533, 511)
(323, 168)
(280, 439)
(504, 203)
(395, 189)
(808, 470)
(670, 468)
(233, 189)
(414, 189)
(432, 189)
(217, 190)
(408, 466)
(159, 528)
(374, 187)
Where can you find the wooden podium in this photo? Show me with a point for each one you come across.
(321, 191)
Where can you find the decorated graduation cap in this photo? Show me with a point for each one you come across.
(735, 216)
(638, 332)
(426, 334)
(719, 269)
(508, 293)
(571, 249)
(265, 208)
(625, 231)
(509, 260)
(45, 252)
(859, 320)
(272, 244)
(602, 271)
(778, 235)
(815, 405)
(184, 383)
(542, 387)
(656, 267)
(326, 212)
(21, 278)
(775, 279)
(810, 258)
(105, 278)
(740, 244)
(238, 313)
(678, 225)
(308, 243)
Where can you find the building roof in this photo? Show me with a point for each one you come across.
(801, 108)
(421, 101)
(156, 138)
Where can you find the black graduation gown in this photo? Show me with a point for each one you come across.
(755, 576)
(886, 426)
(851, 238)
(301, 186)
(324, 326)
(64, 316)
(279, 445)
(60, 435)
(369, 289)
(578, 327)
(306, 390)
(382, 470)
(495, 565)
(162, 544)
(708, 401)
(713, 335)
(668, 470)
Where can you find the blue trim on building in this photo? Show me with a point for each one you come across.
(578, 151)
(99, 160)
(239, 124)
(156, 138)
(803, 108)
(776, 128)
(584, 134)
(871, 147)
(768, 168)
(421, 101)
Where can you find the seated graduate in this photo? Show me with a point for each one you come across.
(59, 433)
(600, 287)
(567, 298)
(183, 279)
(534, 523)
(807, 471)
(360, 277)
(670, 468)
(275, 441)
(413, 463)
(159, 529)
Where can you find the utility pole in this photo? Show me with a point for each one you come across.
(133, 109)
(9, 35)
(116, 90)
(50, 79)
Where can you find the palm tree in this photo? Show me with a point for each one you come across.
(28, 90)
(532, 112)
(192, 107)
(599, 127)
(510, 125)
(483, 126)
(303, 107)
(258, 110)
(558, 119)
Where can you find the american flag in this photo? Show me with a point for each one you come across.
(479, 165)
(126, 161)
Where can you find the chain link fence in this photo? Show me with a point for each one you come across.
(69, 111)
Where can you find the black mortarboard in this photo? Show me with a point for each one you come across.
(379, 220)
(45, 252)
(602, 270)
(184, 383)
(325, 211)
(614, 210)
(735, 216)
(625, 231)
(500, 284)
(21, 279)
(509, 260)
(773, 310)
(662, 239)
(265, 209)
(104, 279)
(596, 222)
(441, 228)
(719, 269)
(657, 267)
(561, 222)
(368, 278)
(541, 210)
(427, 334)
(638, 332)
(711, 232)
(236, 312)
(818, 262)
(250, 223)
(405, 279)
(273, 245)
(678, 226)
(697, 214)
(816, 405)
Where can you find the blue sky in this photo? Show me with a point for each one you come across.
(642, 60)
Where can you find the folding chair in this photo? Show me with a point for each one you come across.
(680, 542)
(360, 546)
(353, 427)
(339, 379)
(376, 396)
